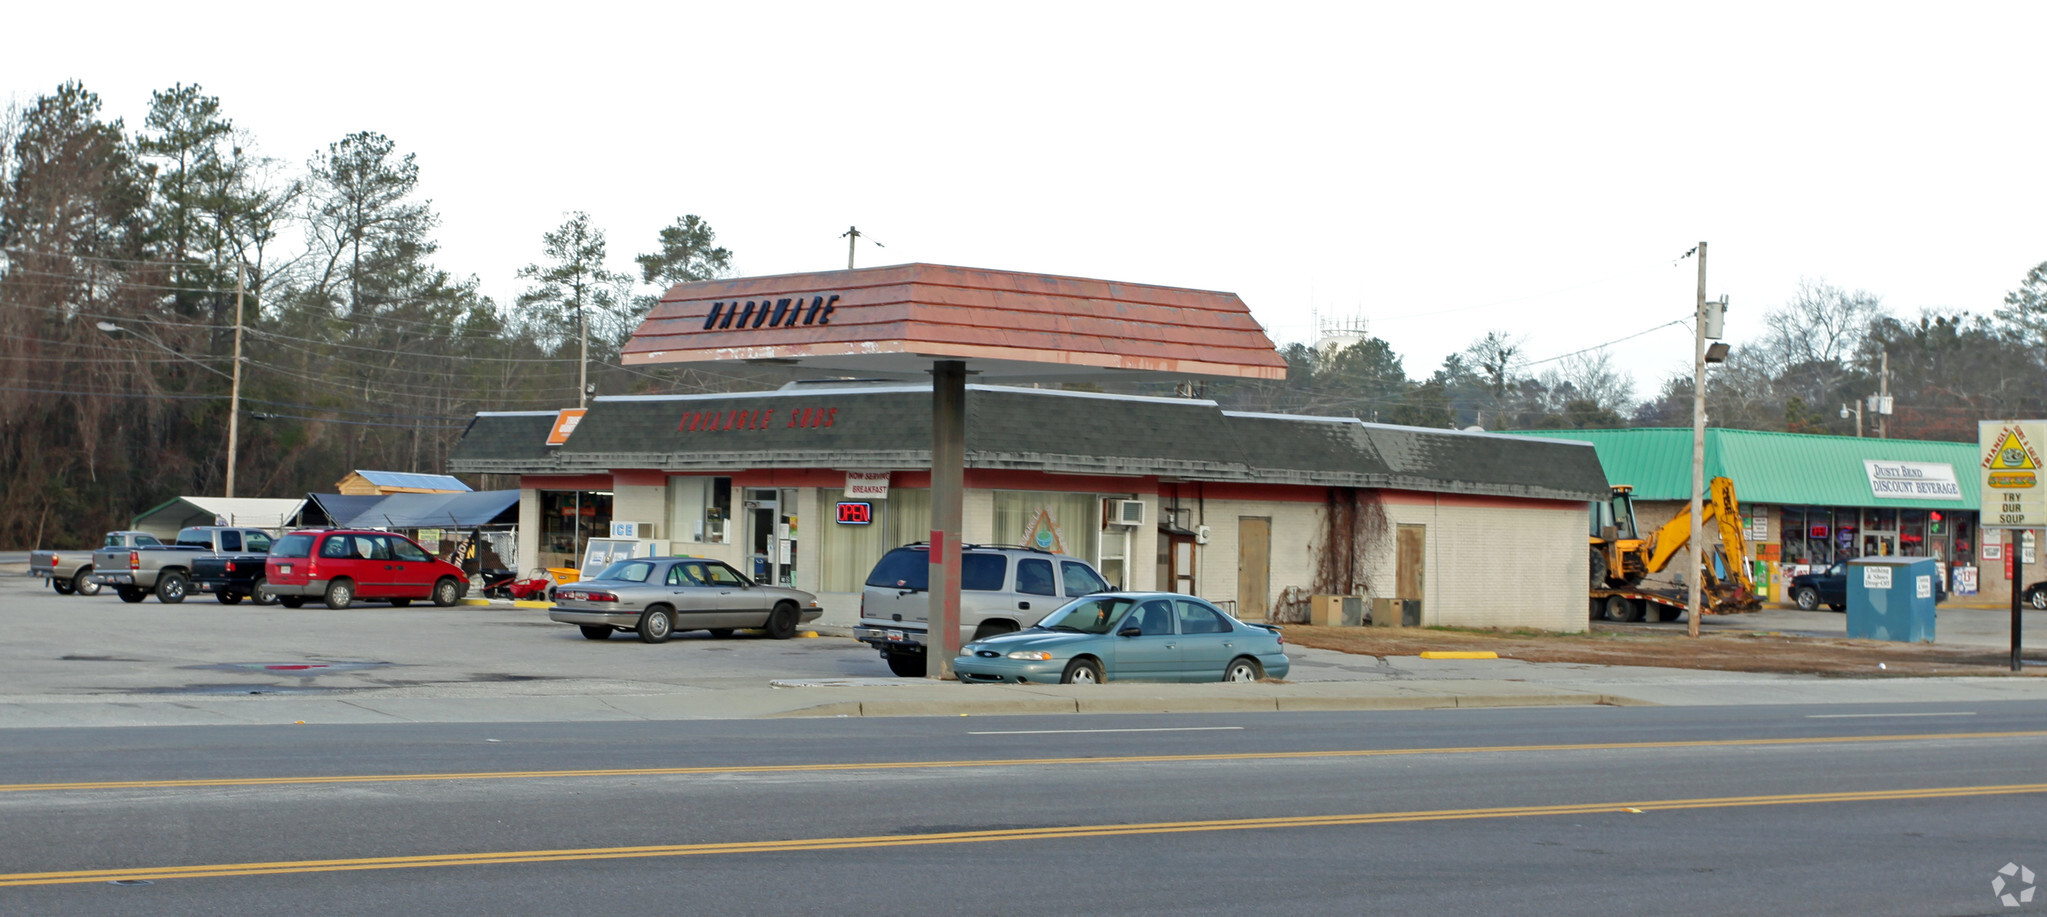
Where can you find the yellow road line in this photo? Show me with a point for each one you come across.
(288, 867)
(986, 762)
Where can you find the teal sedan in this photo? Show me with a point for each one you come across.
(1128, 636)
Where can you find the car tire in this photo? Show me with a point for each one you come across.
(1623, 609)
(2037, 598)
(993, 629)
(1082, 672)
(260, 594)
(292, 601)
(594, 631)
(400, 603)
(655, 625)
(906, 665)
(62, 586)
(782, 621)
(84, 584)
(340, 594)
(720, 633)
(1243, 668)
(132, 594)
(228, 598)
(1806, 598)
(446, 592)
(170, 588)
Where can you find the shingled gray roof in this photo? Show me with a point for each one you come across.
(889, 427)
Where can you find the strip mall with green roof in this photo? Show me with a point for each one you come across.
(1810, 501)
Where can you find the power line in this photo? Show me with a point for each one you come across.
(1601, 346)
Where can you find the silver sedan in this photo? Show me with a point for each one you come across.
(657, 596)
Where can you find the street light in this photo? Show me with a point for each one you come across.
(235, 380)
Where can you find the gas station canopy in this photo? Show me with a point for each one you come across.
(1005, 326)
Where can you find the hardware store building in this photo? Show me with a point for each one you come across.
(1809, 501)
(809, 484)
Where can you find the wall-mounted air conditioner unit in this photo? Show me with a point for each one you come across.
(1128, 512)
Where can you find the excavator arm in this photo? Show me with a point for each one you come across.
(1723, 509)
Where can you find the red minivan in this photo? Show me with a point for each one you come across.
(342, 565)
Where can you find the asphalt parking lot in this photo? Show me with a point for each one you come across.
(87, 645)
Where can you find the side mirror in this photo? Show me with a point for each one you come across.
(1131, 631)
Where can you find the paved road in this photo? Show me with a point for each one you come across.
(1813, 810)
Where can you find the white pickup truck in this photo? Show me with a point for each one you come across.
(166, 569)
(72, 572)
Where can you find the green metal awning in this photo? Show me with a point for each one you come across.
(1784, 469)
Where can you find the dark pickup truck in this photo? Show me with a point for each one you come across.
(232, 577)
(166, 570)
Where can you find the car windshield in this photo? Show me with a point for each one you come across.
(630, 571)
(1089, 615)
(292, 546)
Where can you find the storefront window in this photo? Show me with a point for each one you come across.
(1791, 536)
(848, 552)
(1912, 540)
(700, 509)
(1963, 537)
(568, 520)
(1061, 522)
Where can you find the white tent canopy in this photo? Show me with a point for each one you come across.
(252, 512)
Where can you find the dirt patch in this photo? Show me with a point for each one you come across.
(1755, 651)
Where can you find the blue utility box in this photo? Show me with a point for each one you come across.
(1891, 598)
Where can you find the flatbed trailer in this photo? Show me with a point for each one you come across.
(1638, 604)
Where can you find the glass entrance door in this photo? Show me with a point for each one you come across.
(763, 511)
(770, 537)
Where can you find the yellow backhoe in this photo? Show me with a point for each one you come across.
(1621, 558)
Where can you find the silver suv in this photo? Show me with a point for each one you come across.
(1002, 589)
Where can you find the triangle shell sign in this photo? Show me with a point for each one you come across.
(2013, 495)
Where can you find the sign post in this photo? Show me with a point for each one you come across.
(2013, 494)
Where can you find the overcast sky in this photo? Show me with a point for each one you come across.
(1436, 169)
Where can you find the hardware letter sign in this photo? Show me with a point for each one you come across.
(786, 312)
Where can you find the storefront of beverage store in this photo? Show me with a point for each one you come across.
(1812, 501)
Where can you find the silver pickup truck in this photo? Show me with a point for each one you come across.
(71, 571)
(166, 569)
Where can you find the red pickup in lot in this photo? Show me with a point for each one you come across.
(342, 565)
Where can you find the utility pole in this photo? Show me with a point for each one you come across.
(852, 236)
(582, 357)
(1858, 417)
(1883, 404)
(1693, 610)
(234, 397)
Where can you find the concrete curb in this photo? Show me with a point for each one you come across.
(1013, 706)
